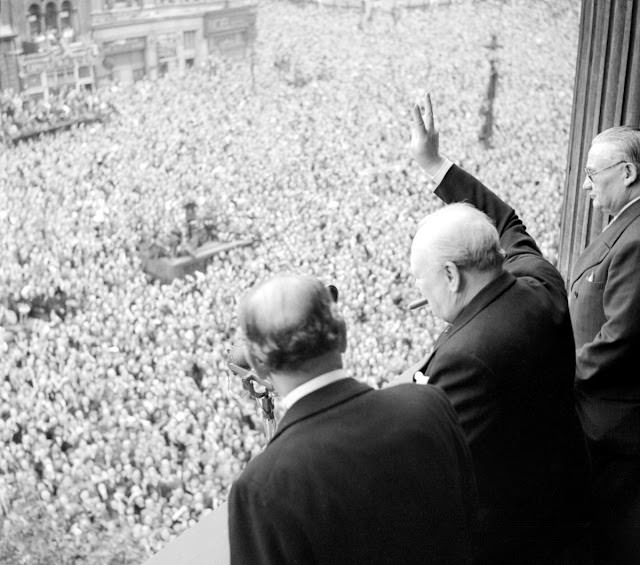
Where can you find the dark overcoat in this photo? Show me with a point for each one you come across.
(605, 309)
(507, 365)
(358, 476)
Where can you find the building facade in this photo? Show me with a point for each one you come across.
(8, 46)
(49, 45)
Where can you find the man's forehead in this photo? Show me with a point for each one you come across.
(602, 151)
(420, 261)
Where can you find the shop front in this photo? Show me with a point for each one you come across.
(124, 59)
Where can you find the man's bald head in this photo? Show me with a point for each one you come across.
(455, 253)
(459, 233)
(289, 320)
(623, 142)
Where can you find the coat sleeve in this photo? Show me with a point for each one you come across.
(261, 530)
(523, 257)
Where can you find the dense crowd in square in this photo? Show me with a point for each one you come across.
(116, 406)
(23, 116)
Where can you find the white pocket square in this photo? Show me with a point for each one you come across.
(420, 378)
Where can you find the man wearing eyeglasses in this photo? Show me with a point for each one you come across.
(604, 301)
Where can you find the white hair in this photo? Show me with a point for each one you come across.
(625, 139)
(459, 233)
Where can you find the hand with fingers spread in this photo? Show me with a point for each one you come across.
(425, 139)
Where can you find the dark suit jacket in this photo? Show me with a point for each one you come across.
(507, 365)
(605, 309)
(358, 476)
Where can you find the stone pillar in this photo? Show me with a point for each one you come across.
(8, 46)
(8, 65)
(606, 93)
(82, 19)
(151, 56)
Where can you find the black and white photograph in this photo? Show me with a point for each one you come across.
(319, 282)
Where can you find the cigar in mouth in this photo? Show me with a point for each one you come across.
(418, 303)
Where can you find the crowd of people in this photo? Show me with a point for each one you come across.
(22, 116)
(116, 405)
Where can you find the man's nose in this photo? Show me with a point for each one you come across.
(587, 184)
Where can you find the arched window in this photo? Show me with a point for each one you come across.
(65, 15)
(51, 16)
(35, 25)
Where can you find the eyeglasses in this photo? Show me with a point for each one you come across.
(591, 173)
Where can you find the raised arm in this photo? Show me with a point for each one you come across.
(456, 185)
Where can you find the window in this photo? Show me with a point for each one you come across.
(117, 4)
(51, 16)
(35, 25)
(33, 80)
(190, 40)
(65, 15)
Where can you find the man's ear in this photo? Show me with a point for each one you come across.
(258, 365)
(343, 336)
(453, 276)
(630, 174)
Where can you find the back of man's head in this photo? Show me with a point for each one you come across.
(459, 233)
(289, 320)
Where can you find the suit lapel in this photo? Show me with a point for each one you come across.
(600, 246)
(479, 302)
(592, 255)
(407, 374)
(321, 400)
(422, 366)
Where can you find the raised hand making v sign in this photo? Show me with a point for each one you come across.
(425, 138)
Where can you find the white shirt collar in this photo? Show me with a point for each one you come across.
(439, 175)
(623, 209)
(312, 385)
